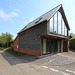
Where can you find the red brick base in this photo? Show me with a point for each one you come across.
(68, 46)
(31, 52)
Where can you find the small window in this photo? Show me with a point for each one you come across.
(38, 20)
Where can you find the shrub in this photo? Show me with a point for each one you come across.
(72, 43)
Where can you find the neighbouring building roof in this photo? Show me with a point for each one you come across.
(44, 17)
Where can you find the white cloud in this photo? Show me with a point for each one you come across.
(31, 19)
(17, 10)
(5, 16)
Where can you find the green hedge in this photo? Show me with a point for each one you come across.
(72, 43)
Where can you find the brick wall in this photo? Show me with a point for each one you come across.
(16, 44)
(31, 52)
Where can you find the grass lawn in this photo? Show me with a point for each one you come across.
(11, 51)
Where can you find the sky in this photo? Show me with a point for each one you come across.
(16, 14)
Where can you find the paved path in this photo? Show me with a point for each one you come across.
(26, 65)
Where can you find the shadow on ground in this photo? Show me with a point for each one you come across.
(25, 58)
(17, 60)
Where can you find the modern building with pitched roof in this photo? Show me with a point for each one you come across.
(47, 34)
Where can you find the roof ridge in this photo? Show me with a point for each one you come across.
(43, 14)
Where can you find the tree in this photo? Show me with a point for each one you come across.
(5, 38)
(72, 34)
(2, 39)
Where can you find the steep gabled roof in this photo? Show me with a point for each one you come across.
(45, 17)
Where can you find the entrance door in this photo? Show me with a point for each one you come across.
(64, 46)
(51, 46)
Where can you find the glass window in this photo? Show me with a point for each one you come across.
(59, 23)
(51, 24)
(62, 27)
(65, 31)
(44, 46)
(55, 23)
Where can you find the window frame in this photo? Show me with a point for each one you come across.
(53, 29)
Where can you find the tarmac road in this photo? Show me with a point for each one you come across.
(10, 65)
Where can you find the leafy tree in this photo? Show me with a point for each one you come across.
(5, 38)
(72, 34)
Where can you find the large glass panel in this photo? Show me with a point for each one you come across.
(65, 31)
(59, 23)
(62, 27)
(48, 45)
(44, 46)
(55, 23)
(51, 24)
(59, 44)
(52, 46)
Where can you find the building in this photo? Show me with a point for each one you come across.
(45, 35)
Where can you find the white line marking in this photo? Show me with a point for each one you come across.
(70, 71)
(64, 73)
(45, 66)
(54, 70)
(50, 61)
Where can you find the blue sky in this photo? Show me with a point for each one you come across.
(15, 14)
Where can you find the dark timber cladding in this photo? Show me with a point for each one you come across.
(30, 39)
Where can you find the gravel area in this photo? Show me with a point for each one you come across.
(69, 54)
(55, 59)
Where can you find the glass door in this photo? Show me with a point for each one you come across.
(64, 46)
(44, 46)
(48, 46)
(59, 46)
(52, 46)
(55, 46)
